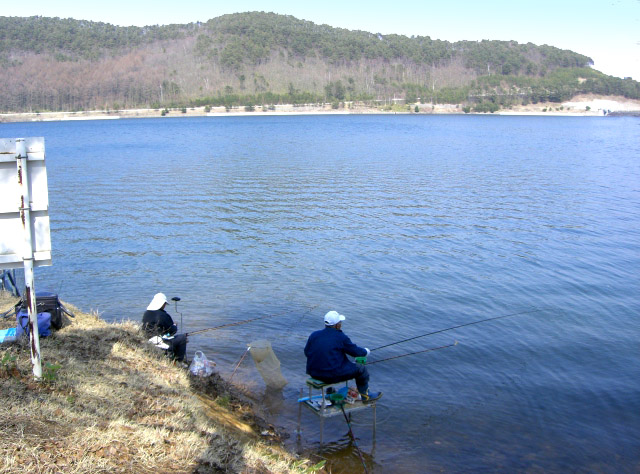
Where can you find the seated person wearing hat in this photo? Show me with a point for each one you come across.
(160, 328)
(327, 361)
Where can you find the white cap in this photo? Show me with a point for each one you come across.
(332, 318)
(158, 300)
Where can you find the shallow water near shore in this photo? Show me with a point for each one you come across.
(405, 224)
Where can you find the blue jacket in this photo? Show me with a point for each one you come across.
(327, 351)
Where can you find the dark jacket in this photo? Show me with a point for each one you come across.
(327, 351)
(158, 323)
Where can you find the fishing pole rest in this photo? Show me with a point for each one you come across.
(175, 299)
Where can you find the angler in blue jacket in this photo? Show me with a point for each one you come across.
(327, 351)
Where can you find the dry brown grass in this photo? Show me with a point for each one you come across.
(116, 405)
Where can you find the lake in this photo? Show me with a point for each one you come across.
(407, 225)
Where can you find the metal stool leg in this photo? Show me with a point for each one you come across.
(299, 416)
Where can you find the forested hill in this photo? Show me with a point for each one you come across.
(263, 58)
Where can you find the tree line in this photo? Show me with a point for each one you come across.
(70, 40)
(248, 38)
(263, 58)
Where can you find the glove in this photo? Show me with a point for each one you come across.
(368, 351)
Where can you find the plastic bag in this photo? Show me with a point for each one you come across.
(352, 396)
(159, 343)
(201, 366)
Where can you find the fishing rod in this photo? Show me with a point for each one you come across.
(353, 438)
(460, 326)
(412, 353)
(240, 362)
(245, 321)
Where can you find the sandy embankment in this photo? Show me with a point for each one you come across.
(583, 105)
(189, 112)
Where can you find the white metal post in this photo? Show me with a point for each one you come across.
(30, 292)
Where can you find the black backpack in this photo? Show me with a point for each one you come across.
(47, 302)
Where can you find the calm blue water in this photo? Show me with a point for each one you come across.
(406, 224)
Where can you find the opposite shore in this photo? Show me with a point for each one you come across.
(583, 106)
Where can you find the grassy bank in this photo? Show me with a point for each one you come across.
(109, 403)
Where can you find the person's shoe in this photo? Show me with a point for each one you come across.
(370, 396)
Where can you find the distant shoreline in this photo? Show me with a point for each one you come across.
(581, 106)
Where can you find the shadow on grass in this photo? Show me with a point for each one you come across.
(132, 402)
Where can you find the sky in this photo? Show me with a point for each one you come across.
(607, 31)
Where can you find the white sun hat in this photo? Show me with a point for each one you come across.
(158, 300)
(332, 318)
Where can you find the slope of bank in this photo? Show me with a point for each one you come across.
(583, 105)
(108, 402)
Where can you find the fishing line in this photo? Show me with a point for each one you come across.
(460, 326)
(288, 333)
(60, 287)
(238, 323)
(412, 353)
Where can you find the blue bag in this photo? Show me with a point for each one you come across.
(47, 302)
(44, 323)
